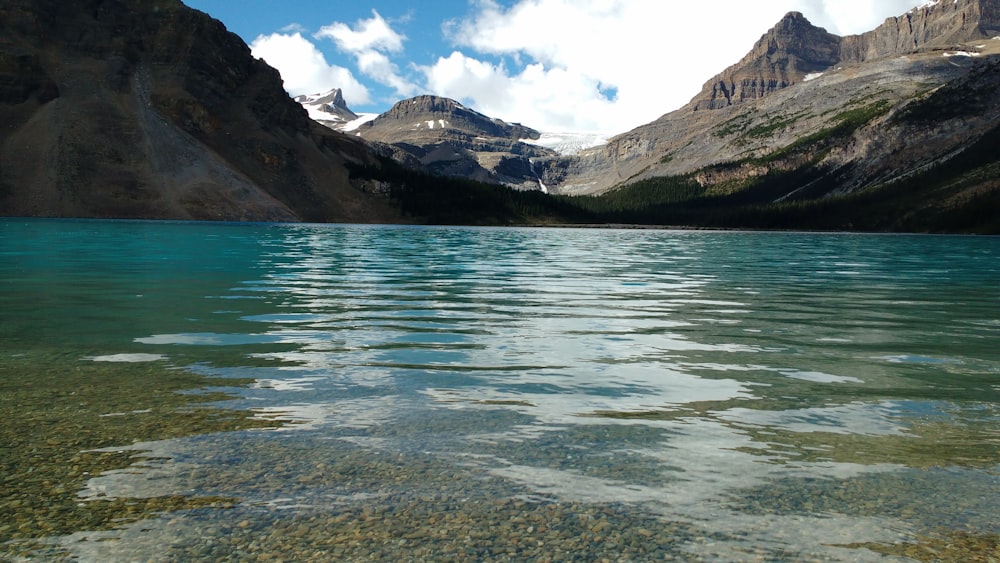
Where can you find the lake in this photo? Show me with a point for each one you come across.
(174, 391)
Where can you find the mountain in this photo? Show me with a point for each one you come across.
(330, 109)
(795, 49)
(147, 108)
(449, 139)
(792, 50)
(809, 116)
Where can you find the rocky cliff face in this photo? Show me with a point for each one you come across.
(450, 139)
(783, 56)
(146, 108)
(942, 24)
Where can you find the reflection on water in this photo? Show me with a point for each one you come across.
(519, 393)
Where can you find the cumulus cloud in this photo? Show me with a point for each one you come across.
(305, 69)
(368, 42)
(372, 34)
(848, 17)
(535, 95)
(653, 56)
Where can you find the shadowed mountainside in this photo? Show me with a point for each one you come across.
(147, 108)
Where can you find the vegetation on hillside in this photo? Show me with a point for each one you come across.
(791, 187)
(440, 200)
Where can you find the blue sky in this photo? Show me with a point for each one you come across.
(419, 22)
(594, 66)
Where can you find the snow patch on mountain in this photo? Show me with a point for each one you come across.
(361, 120)
(319, 114)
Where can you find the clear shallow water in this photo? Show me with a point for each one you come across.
(495, 393)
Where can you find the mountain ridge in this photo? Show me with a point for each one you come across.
(794, 48)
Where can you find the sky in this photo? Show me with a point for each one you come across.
(581, 66)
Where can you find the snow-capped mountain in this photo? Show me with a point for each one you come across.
(330, 109)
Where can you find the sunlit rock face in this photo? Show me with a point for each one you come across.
(783, 56)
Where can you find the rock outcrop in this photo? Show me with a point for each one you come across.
(449, 139)
(147, 108)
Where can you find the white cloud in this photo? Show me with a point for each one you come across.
(371, 34)
(654, 55)
(848, 17)
(368, 42)
(535, 95)
(560, 65)
(304, 69)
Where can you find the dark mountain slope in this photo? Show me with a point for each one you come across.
(146, 108)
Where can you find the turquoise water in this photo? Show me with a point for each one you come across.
(535, 393)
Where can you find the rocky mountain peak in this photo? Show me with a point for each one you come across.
(450, 139)
(333, 98)
(427, 104)
(338, 98)
(783, 56)
(794, 48)
(792, 20)
(329, 108)
(435, 112)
